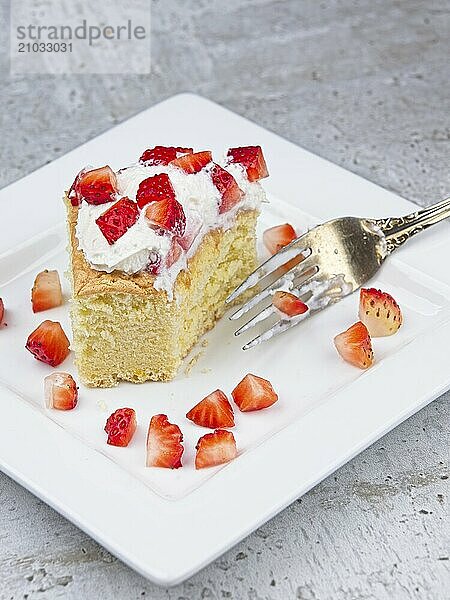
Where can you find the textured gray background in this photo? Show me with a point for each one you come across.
(365, 84)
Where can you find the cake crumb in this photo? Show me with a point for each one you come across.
(102, 405)
(193, 362)
(204, 343)
(205, 371)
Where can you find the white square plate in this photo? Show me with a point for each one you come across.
(169, 524)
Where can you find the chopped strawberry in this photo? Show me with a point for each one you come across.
(118, 219)
(289, 304)
(164, 447)
(213, 411)
(60, 391)
(121, 426)
(163, 155)
(154, 263)
(96, 187)
(354, 345)
(254, 393)
(278, 237)
(46, 292)
(2, 311)
(174, 253)
(229, 190)
(74, 193)
(193, 163)
(252, 159)
(166, 215)
(154, 189)
(379, 312)
(193, 226)
(48, 343)
(215, 449)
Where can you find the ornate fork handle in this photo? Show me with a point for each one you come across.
(398, 230)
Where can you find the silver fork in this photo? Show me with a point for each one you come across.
(326, 264)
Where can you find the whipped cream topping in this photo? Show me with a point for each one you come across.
(134, 250)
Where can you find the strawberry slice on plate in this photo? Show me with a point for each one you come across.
(215, 449)
(379, 312)
(213, 411)
(252, 159)
(118, 219)
(164, 447)
(154, 189)
(96, 187)
(46, 292)
(289, 304)
(120, 427)
(193, 163)
(163, 155)
(355, 346)
(167, 215)
(278, 237)
(60, 391)
(254, 393)
(2, 311)
(48, 343)
(229, 190)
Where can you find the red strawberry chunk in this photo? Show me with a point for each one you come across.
(174, 253)
(193, 227)
(193, 163)
(118, 219)
(379, 312)
(167, 215)
(74, 194)
(2, 311)
(154, 189)
(213, 411)
(164, 447)
(96, 187)
(215, 449)
(46, 292)
(354, 345)
(289, 304)
(121, 426)
(278, 237)
(254, 393)
(163, 155)
(154, 263)
(229, 190)
(252, 159)
(60, 391)
(48, 343)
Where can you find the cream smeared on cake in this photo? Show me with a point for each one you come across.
(146, 247)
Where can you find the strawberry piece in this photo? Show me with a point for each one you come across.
(163, 155)
(164, 447)
(174, 253)
(289, 304)
(60, 391)
(215, 449)
(193, 225)
(379, 312)
(120, 427)
(154, 263)
(354, 345)
(118, 219)
(48, 343)
(252, 159)
(193, 163)
(74, 194)
(46, 292)
(2, 311)
(254, 393)
(154, 189)
(278, 237)
(213, 411)
(166, 215)
(96, 187)
(229, 190)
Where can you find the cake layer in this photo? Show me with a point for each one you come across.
(125, 329)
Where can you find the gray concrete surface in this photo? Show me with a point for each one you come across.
(365, 84)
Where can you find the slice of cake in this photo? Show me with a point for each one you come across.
(155, 249)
